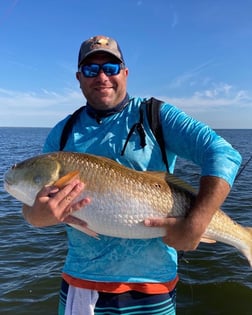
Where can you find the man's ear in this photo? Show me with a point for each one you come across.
(78, 74)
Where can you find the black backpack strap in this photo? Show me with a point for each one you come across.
(140, 129)
(153, 114)
(68, 127)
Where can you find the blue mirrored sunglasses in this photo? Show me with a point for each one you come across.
(92, 70)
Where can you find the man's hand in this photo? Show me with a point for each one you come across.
(180, 234)
(185, 233)
(53, 205)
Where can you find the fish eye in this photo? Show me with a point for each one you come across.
(37, 179)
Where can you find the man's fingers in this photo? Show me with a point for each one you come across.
(48, 191)
(160, 222)
(67, 194)
(66, 215)
(80, 204)
(59, 202)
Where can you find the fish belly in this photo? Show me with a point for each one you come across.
(118, 215)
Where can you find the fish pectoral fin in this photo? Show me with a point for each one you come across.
(205, 239)
(64, 180)
(80, 225)
(86, 230)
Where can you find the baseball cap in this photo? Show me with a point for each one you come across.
(99, 43)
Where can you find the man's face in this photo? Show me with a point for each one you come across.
(103, 92)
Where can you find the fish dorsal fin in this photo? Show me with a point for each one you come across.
(172, 179)
(159, 175)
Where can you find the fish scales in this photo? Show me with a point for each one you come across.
(118, 206)
(121, 198)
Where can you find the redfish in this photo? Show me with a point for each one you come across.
(121, 198)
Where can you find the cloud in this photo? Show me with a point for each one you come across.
(45, 108)
(40, 99)
(42, 108)
(190, 76)
(217, 90)
(221, 95)
(174, 20)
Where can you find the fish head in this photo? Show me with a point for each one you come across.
(24, 180)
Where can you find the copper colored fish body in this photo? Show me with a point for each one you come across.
(121, 198)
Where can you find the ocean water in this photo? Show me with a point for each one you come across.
(215, 279)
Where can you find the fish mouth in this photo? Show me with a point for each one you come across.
(8, 179)
(6, 186)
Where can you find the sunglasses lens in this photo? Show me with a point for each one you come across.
(92, 70)
(111, 68)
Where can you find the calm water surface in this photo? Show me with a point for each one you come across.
(214, 280)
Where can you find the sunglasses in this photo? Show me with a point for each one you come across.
(92, 70)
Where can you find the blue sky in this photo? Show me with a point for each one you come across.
(195, 54)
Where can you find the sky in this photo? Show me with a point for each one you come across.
(194, 54)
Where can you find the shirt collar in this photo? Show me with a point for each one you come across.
(107, 112)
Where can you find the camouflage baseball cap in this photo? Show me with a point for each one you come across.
(99, 43)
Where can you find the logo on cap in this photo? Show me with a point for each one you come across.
(101, 41)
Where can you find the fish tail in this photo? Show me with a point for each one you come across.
(248, 251)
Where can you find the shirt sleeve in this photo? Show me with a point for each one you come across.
(52, 143)
(193, 140)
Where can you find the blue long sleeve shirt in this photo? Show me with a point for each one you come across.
(129, 260)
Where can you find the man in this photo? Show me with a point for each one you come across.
(114, 275)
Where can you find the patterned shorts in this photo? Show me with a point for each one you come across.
(127, 303)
